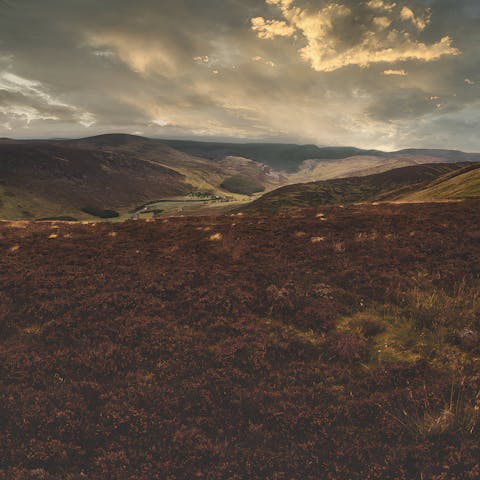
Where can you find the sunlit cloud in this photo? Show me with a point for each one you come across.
(400, 73)
(202, 59)
(381, 5)
(268, 29)
(260, 59)
(323, 35)
(407, 14)
(382, 22)
(140, 54)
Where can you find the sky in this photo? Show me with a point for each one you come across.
(385, 74)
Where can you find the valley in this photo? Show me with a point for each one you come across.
(70, 179)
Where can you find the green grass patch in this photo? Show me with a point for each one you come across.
(241, 185)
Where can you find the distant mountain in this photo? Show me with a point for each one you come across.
(357, 166)
(422, 182)
(450, 155)
(291, 157)
(279, 156)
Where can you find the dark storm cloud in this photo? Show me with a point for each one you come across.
(205, 68)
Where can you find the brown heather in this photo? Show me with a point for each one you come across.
(152, 351)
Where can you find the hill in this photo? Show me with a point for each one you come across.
(460, 184)
(200, 172)
(290, 157)
(280, 157)
(358, 166)
(401, 183)
(243, 347)
(449, 155)
(60, 178)
(50, 178)
(118, 172)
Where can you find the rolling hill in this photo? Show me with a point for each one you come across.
(199, 172)
(284, 157)
(66, 178)
(460, 184)
(358, 166)
(420, 182)
(49, 178)
(290, 158)
(60, 178)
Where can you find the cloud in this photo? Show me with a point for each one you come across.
(139, 53)
(202, 59)
(382, 22)
(401, 73)
(15, 84)
(28, 100)
(281, 3)
(381, 5)
(260, 59)
(407, 14)
(268, 29)
(327, 49)
(142, 67)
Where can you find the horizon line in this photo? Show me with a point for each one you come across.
(227, 141)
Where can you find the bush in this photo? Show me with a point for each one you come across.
(60, 218)
(242, 185)
(98, 212)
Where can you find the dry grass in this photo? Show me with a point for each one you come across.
(216, 237)
(458, 415)
(445, 312)
(366, 236)
(33, 329)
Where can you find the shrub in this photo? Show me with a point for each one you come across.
(459, 415)
(347, 347)
(242, 185)
(100, 213)
(60, 218)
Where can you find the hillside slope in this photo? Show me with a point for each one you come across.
(60, 178)
(201, 172)
(392, 185)
(458, 185)
(46, 178)
(243, 347)
(358, 166)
